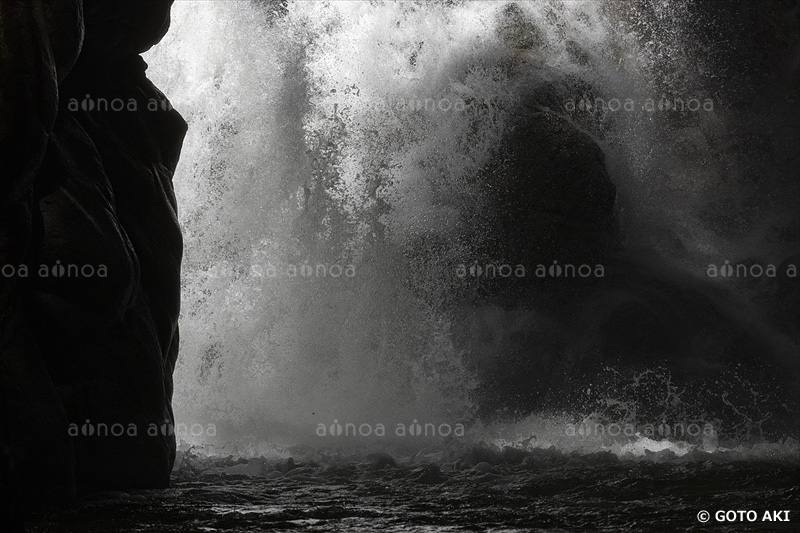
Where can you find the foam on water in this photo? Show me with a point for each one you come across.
(538, 432)
(322, 136)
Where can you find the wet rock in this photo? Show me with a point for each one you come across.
(481, 455)
(428, 475)
(548, 198)
(299, 472)
(489, 476)
(89, 337)
(533, 463)
(456, 466)
(287, 466)
(601, 458)
(485, 468)
(513, 455)
(116, 32)
(10, 511)
(340, 471)
(378, 461)
(545, 457)
(661, 456)
(275, 474)
(577, 462)
(252, 468)
(546, 214)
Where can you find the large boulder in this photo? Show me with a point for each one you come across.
(90, 239)
(539, 335)
(548, 196)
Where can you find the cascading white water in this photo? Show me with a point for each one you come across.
(320, 136)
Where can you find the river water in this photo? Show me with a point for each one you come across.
(543, 490)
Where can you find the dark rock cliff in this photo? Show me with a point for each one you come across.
(90, 248)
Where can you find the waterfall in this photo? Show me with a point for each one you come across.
(327, 138)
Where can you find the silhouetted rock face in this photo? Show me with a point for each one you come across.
(91, 247)
(116, 31)
(550, 196)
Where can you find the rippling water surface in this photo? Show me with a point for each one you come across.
(540, 490)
